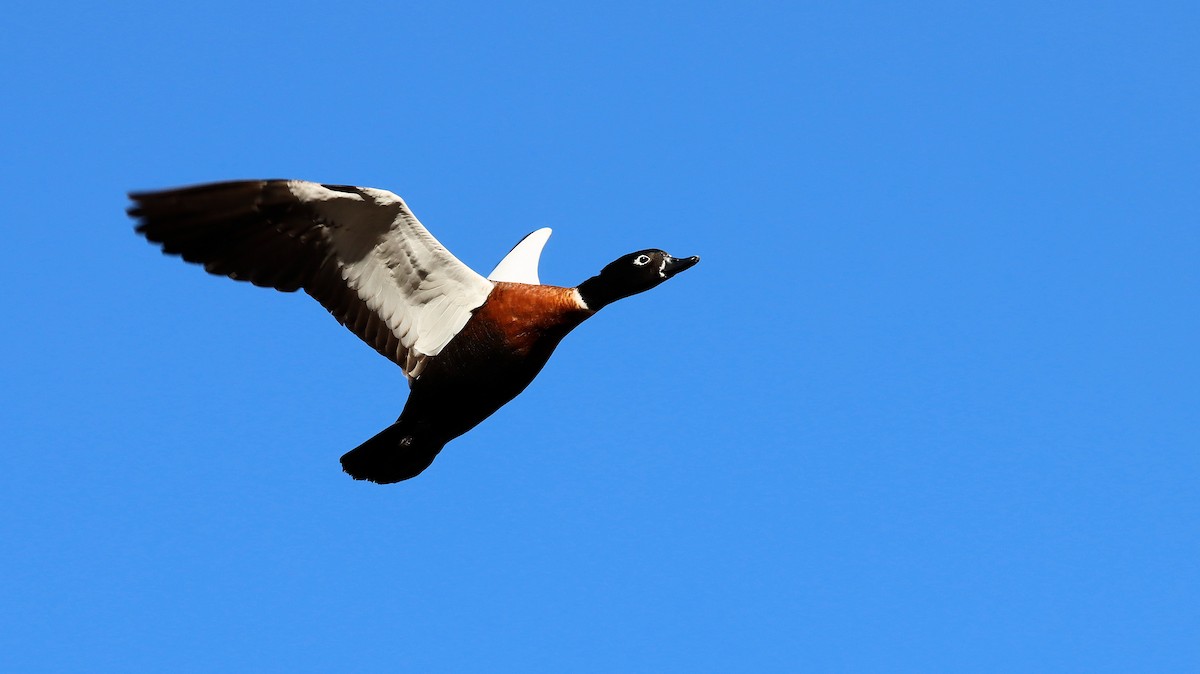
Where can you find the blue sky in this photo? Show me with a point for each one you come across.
(929, 402)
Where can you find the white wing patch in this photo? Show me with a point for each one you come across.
(521, 263)
(397, 268)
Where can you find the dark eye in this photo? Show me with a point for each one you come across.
(642, 260)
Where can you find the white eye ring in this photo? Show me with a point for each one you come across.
(642, 260)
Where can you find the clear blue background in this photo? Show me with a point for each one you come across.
(929, 403)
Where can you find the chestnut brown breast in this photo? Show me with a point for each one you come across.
(526, 314)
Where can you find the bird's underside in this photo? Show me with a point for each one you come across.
(494, 358)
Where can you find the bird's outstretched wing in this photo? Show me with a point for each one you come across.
(359, 251)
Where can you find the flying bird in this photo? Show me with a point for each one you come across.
(467, 344)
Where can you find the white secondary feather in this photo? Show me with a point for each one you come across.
(422, 293)
(521, 263)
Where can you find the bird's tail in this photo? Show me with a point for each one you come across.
(396, 453)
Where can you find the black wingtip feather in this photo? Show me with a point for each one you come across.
(247, 230)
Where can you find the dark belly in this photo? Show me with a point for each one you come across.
(469, 381)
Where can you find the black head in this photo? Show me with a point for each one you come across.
(631, 274)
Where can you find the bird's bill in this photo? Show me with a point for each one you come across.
(674, 265)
